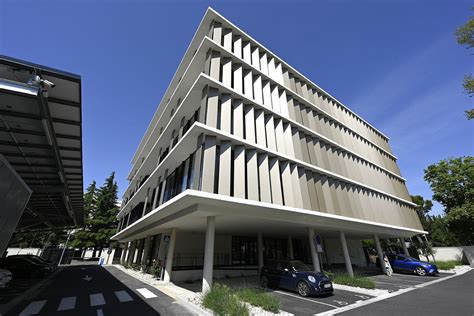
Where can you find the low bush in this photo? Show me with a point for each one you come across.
(357, 280)
(126, 265)
(222, 301)
(447, 265)
(136, 266)
(156, 268)
(257, 297)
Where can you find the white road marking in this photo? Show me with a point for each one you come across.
(146, 293)
(342, 303)
(33, 308)
(394, 284)
(67, 303)
(100, 312)
(96, 299)
(307, 299)
(364, 297)
(123, 296)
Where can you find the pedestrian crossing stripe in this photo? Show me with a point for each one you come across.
(96, 299)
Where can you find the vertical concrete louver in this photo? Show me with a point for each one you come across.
(274, 137)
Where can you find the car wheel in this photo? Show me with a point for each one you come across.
(420, 271)
(264, 282)
(303, 289)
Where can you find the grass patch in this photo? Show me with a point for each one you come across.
(222, 301)
(447, 265)
(357, 280)
(257, 297)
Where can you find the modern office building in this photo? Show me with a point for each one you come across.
(41, 184)
(246, 159)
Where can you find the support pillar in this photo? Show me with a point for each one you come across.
(314, 254)
(169, 256)
(345, 252)
(208, 268)
(131, 253)
(146, 251)
(380, 254)
(124, 252)
(260, 252)
(290, 248)
(404, 246)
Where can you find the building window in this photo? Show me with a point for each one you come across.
(244, 250)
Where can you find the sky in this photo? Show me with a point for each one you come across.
(395, 63)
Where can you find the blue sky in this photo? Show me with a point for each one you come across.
(395, 63)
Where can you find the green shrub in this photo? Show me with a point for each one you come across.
(136, 266)
(257, 297)
(447, 265)
(126, 265)
(222, 301)
(357, 280)
(156, 268)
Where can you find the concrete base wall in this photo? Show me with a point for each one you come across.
(195, 275)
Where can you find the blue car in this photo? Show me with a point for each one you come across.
(295, 276)
(404, 263)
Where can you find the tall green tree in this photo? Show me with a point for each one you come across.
(100, 210)
(422, 209)
(104, 221)
(452, 183)
(465, 36)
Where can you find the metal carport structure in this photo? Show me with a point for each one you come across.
(41, 138)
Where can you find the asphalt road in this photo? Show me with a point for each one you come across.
(453, 296)
(97, 291)
(400, 281)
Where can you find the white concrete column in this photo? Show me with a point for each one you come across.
(131, 253)
(169, 256)
(345, 251)
(290, 248)
(314, 254)
(146, 251)
(260, 251)
(404, 246)
(124, 252)
(209, 254)
(380, 253)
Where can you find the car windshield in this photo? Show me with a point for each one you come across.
(299, 266)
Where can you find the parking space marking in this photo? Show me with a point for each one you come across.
(33, 308)
(395, 284)
(123, 296)
(341, 303)
(67, 303)
(146, 293)
(307, 299)
(96, 299)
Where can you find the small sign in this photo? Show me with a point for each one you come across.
(166, 238)
(318, 241)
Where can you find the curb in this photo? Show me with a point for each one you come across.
(29, 293)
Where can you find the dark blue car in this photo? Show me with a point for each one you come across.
(402, 263)
(294, 275)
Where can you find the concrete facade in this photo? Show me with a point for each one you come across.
(243, 138)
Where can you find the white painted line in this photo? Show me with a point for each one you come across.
(123, 296)
(33, 308)
(394, 284)
(146, 293)
(307, 299)
(97, 299)
(67, 303)
(100, 312)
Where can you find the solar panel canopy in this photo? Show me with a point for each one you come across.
(41, 138)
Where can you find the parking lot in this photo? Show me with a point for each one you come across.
(400, 281)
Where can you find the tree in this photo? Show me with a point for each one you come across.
(422, 209)
(452, 183)
(100, 210)
(83, 238)
(104, 221)
(465, 36)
